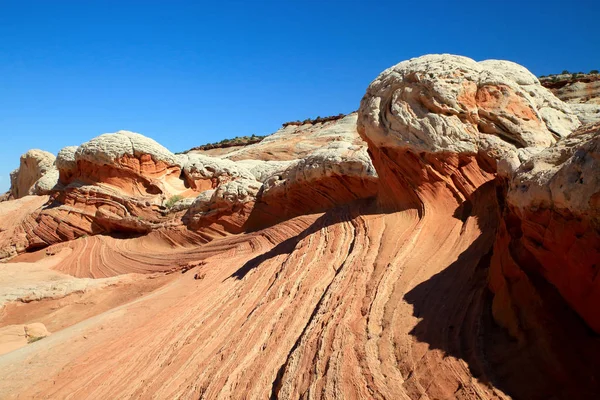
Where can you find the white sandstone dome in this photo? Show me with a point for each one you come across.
(447, 103)
(109, 147)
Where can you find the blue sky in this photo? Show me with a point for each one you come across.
(190, 72)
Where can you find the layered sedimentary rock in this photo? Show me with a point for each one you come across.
(581, 91)
(226, 208)
(574, 88)
(551, 229)
(352, 272)
(124, 182)
(335, 175)
(298, 141)
(204, 172)
(133, 163)
(443, 103)
(66, 164)
(17, 218)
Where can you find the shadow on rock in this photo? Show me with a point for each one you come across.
(454, 307)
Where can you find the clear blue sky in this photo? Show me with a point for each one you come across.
(190, 72)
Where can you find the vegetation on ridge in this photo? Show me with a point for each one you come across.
(236, 141)
(314, 121)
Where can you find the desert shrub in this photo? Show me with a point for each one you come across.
(594, 71)
(565, 72)
(174, 199)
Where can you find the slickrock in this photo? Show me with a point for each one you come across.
(574, 88)
(263, 170)
(335, 175)
(226, 208)
(552, 229)
(25, 180)
(66, 163)
(16, 218)
(204, 172)
(441, 103)
(351, 258)
(133, 163)
(581, 91)
(16, 336)
(298, 141)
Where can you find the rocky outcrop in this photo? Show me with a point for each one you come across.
(263, 170)
(36, 174)
(581, 91)
(133, 163)
(226, 208)
(17, 219)
(551, 229)
(335, 265)
(335, 175)
(437, 154)
(66, 163)
(444, 103)
(204, 172)
(298, 141)
(574, 88)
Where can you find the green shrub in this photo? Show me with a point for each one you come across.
(565, 72)
(171, 202)
(594, 71)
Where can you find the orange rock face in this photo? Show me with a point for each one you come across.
(551, 230)
(413, 270)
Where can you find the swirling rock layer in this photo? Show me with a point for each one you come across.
(346, 272)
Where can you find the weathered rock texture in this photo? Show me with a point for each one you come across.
(16, 336)
(574, 88)
(30, 177)
(581, 91)
(336, 266)
(297, 141)
(442, 103)
(551, 229)
(337, 174)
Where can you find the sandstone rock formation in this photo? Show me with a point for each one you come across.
(228, 206)
(442, 103)
(297, 141)
(16, 336)
(204, 172)
(574, 88)
(351, 258)
(337, 174)
(66, 163)
(581, 91)
(552, 228)
(30, 177)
